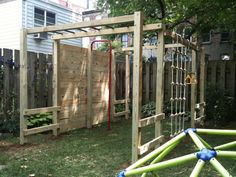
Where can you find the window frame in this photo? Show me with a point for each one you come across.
(45, 17)
(210, 38)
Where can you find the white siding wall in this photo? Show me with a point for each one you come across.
(10, 21)
(63, 16)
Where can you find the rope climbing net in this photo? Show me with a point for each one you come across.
(179, 58)
(205, 154)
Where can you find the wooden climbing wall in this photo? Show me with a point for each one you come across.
(73, 87)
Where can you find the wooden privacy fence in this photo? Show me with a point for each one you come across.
(39, 80)
(218, 73)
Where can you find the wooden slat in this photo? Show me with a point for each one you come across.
(150, 120)
(17, 78)
(84, 24)
(193, 90)
(127, 85)
(32, 80)
(113, 86)
(89, 88)
(40, 129)
(28, 112)
(117, 114)
(23, 82)
(121, 101)
(137, 84)
(150, 145)
(121, 30)
(42, 80)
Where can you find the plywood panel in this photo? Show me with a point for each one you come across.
(73, 87)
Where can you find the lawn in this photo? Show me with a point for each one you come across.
(89, 153)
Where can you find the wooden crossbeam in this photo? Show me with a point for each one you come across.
(121, 30)
(179, 39)
(150, 120)
(150, 145)
(120, 113)
(85, 24)
(28, 112)
(149, 47)
(40, 129)
(121, 101)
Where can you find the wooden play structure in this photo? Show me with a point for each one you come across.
(80, 79)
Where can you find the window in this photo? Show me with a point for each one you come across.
(206, 37)
(225, 36)
(43, 18)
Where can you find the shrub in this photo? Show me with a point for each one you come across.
(38, 120)
(219, 107)
(148, 109)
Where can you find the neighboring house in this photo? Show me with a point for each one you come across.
(18, 14)
(218, 45)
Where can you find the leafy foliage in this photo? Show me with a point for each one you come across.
(148, 109)
(200, 15)
(119, 107)
(219, 107)
(38, 120)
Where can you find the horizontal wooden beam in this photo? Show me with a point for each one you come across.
(149, 47)
(40, 129)
(120, 113)
(85, 24)
(199, 118)
(121, 101)
(179, 39)
(28, 112)
(150, 145)
(151, 120)
(121, 30)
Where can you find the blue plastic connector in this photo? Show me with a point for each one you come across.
(121, 174)
(192, 129)
(206, 154)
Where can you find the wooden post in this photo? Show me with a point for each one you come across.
(137, 84)
(23, 83)
(159, 80)
(193, 91)
(127, 85)
(113, 87)
(55, 76)
(89, 88)
(147, 81)
(202, 80)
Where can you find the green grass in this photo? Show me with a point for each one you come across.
(90, 153)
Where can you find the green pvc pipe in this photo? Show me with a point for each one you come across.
(219, 168)
(216, 132)
(196, 140)
(198, 168)
(226, 146)
(204, 142)
(231, 154)
(161, 165)
(162, 155)
(157, 151)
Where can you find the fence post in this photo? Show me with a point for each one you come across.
(193, 91)
(23, 82)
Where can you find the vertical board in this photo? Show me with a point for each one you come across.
(32, 58)
(49, 72)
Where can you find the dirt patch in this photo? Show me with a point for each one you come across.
(9, 147)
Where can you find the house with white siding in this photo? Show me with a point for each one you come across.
(18, 14)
